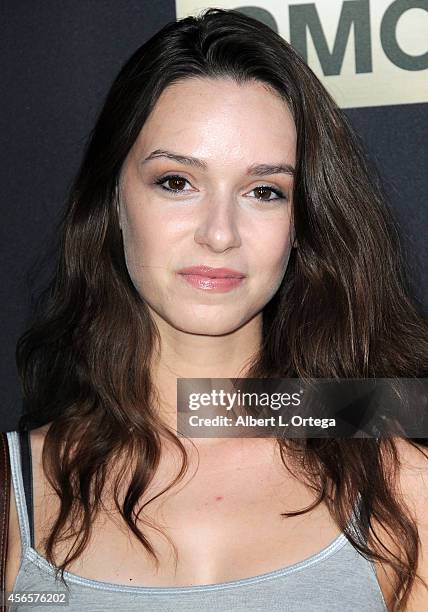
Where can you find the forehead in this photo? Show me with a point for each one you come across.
(217, 118)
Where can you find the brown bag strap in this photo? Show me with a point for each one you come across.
(4, 511)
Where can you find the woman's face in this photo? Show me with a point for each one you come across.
(216, 211)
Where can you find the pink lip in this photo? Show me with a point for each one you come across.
(208, 272)
(207, 283)
(217, 280)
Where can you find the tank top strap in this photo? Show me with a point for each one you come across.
(20, 456)
(27, 477)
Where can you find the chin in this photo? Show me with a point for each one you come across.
(206, 327)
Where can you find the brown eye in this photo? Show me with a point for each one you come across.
(174, 183)
(265, 190)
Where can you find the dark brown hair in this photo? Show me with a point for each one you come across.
(343, 309)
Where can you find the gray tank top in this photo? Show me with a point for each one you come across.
(336, 579)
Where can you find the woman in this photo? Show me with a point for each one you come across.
(217, 146)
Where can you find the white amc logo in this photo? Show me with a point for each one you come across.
(366, 53)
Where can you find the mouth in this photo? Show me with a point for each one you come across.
(208, 272)
(216, 280)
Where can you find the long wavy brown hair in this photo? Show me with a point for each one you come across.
(343, 310)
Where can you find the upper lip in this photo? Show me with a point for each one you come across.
(212, 272)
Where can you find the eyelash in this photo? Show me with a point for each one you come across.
(164, 179)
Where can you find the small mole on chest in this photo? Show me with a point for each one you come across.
(219, 498)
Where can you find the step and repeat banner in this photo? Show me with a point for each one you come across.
(58, 60)
(365, 52)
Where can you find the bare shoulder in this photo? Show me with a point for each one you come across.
(413, 473)
(14, 537)
(413, 486)
(411, 451)
(38, 435)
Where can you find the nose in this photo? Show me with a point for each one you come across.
(217, 225)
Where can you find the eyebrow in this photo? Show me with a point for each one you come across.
(253, 170)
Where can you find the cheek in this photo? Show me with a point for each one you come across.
(140, 230)
(271, 260)
(143, 250)
(273, 249)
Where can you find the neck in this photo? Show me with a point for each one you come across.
(187, 355)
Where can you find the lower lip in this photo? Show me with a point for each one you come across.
(206, 283)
